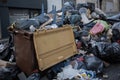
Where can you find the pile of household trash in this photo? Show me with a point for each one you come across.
(97, 37)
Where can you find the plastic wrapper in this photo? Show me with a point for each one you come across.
(99, 27)
(67, 73)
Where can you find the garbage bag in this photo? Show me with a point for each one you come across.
(116, 32)
(8, 73)
(93, 63)
(3, 49)
(108, 52)
(25, 24)
(34, 76)
(76, 34)
(6, 49)
(74, 19)
(116, 26)
(36, 22)
(68, 6)
(85, 39)
(113, 53)
(100, 12)
(100, 47)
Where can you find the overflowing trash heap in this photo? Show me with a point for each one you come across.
(97, 38)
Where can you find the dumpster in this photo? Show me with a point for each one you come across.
(43, 49)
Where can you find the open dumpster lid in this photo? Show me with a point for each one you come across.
(53, 46)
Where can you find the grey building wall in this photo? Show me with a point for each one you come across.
(57, 3)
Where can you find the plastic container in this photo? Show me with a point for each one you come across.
(43, 49)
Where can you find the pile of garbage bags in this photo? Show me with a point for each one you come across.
(97, 39)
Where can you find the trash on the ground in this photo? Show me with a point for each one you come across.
(70, 73)
(87, 74)
(67, 73)
(34, 76)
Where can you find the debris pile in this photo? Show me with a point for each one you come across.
(97, 40)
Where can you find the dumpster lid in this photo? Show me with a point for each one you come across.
(53, 46)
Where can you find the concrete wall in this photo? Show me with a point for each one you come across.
(111, 5)
(57, 3)
(81, 1)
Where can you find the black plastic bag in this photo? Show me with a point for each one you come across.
(99, 49)
(74, 19)
(116, 32)
(108, 52)
(113, 53)
(9, 73)
(93, 63)
(7, 51)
